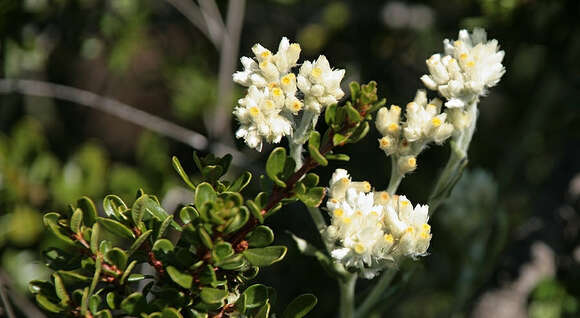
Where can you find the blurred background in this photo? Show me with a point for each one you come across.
(96, 95)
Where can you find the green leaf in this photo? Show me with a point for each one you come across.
(238, 221)
(50, 220)
(265, 256)
(353, 114)
(275, 165)
(134, 304)
(222, 250)
(117, 257)
(241, 182)
(232, 263)
(240, 304)
(204, 193)
(165, 225)
(138, 242)
(105, 313)
(205, 238)
(354, 90)
(61, 290)
(360, 132)
(339, 139)
(89, 210)
(95, 238)
(264, 312)
(94, 303)
(163, 246)
(113, 206)
(96, 275)
(207, 275)
(116, 228)
(338, 157)
(213, 295)
(377, 105)
(127, 271)
(313, 145)
(139, 208)
(177, 166)
(255, 210)
(47, 304)
(85, 301)
(71, 278)
(330, 114)
(313, 196)
(112, 300)
(310, 180)
(261, 236)
(187, 214)
(256, 296)
(76, 221)
(300, 306)
(182, 279)
(170, 313)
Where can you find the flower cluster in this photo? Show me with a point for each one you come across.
(370, 230)
(470, 65)
(424, 123)
(268, 110)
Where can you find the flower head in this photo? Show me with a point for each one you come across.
(370, 230)
(320, 84)
(469, 67)
(422, 124)
(260, 118)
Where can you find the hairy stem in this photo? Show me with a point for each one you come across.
(347, 287)
(455, 164)
(374, 297)
(396, 176)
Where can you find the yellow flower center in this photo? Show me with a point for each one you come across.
(393, 127)
(412, 162)
(436, 122)
(254, 111)
(287, 79)
(316, 72)
(384, 142)
(297, 105)
(346, 220)
(359, 248)
(277, 92)
(389, 238)
(338, 212)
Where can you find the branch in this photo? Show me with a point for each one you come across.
(107, 105)
(193, 13)
(218, 121)
(22, 303)
(213, 20)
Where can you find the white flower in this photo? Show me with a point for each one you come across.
(273, 71)
(320, 84)
(423, 123)
(260, 118)
(469, 67)
(370, 230)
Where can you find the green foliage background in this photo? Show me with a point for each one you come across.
(144, 53)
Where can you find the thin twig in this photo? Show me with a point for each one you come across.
(219, 120)
(193, 13)
(22, 303)
(107, 105)
(5, 301)
(213, 20)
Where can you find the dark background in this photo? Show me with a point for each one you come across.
(523, 159)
